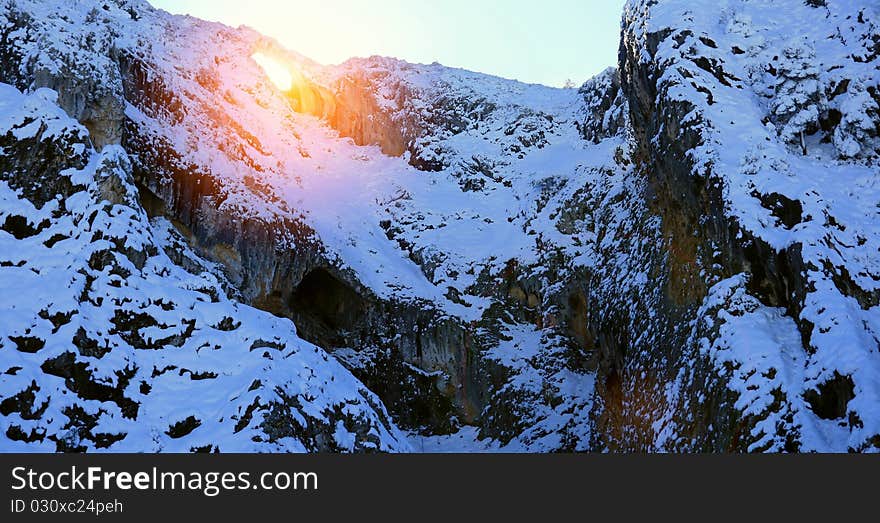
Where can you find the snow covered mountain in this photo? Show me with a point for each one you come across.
(682, 255)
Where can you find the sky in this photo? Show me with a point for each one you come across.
(536, 41)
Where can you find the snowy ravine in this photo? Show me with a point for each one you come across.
(682, 255)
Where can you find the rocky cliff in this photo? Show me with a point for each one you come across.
(682, 255)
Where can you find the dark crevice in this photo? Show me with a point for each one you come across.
(325, 309)
(831, 399)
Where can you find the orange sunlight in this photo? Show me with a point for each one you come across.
(275, 70)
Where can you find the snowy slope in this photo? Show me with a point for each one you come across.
(650, 262)
(265, 162)
(109, 344)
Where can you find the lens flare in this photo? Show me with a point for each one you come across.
(275, 70)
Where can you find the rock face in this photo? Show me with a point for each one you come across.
(649, 263)
(748, 229)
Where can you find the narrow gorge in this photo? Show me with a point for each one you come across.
(681, 255)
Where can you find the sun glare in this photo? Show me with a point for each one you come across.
(275, 70)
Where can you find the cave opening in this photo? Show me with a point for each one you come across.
(831, 399)
(326, 309)
(153, 205)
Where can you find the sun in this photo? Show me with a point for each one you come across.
(275, 70)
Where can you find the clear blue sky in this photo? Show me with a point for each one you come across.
(540, 41)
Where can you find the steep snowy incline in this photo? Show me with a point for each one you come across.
(483, 145)
(117, 336)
